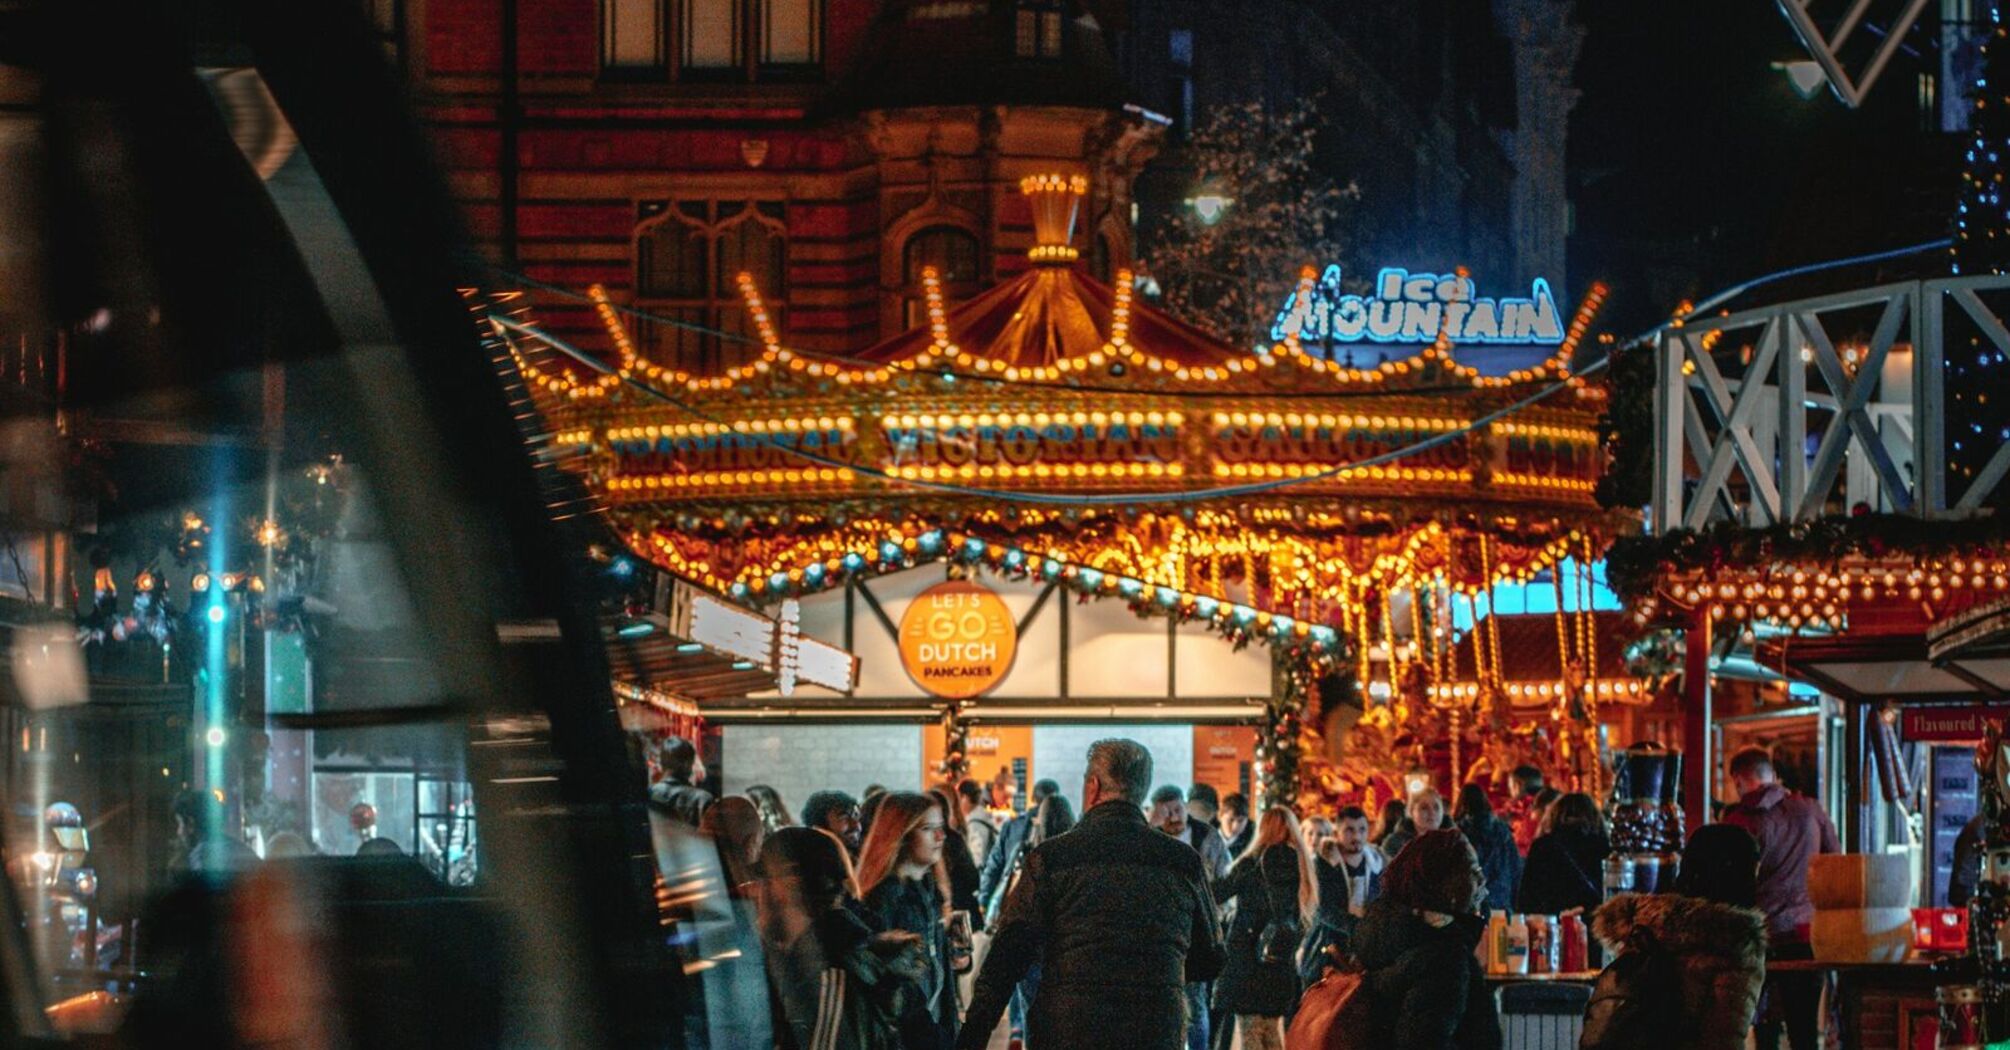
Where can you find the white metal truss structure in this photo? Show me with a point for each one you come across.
(1826, 48)
(1734, 396)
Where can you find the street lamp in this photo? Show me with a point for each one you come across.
(1209, 205)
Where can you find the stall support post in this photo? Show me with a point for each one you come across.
(1697, 760)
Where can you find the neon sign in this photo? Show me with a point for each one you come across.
(1417, 308)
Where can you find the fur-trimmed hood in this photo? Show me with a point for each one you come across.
(1683, 925)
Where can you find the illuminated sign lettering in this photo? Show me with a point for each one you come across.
(1019, 445)
(1405, 307)
(958, 639)
(1334, 446)
(730, 451)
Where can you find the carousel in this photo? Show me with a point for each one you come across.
(1357, 521)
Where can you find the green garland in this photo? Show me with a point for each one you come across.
(1627, 429)
(1636, 565)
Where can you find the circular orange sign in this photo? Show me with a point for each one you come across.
(957, 639)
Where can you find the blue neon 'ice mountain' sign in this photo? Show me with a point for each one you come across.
(1416, 308)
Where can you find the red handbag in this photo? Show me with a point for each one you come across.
(1332, 1015)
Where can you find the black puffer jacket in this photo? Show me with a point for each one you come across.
(1249, 985)
(1426, 989)
(1120, 918)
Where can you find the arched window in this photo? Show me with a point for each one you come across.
(953, 252)
(688, 261)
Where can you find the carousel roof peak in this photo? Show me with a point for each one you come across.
(1053, 312)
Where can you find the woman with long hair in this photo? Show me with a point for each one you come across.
(774, 812)
(963, 877)
(1493, 840)
(837, 980)
(1275, 888)
(1426, 990)
(1393, 814)
(1055, 817)
(906, 887)
(1566, 862)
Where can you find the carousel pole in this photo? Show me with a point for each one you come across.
(1696, 720)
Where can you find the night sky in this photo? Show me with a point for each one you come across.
(1696, 165)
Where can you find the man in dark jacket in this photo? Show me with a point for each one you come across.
(677, 795)
(1119, 917)
(1791, 830)
(837, 813)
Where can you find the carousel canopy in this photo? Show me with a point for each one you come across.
(1053, 419)
(1054, 429)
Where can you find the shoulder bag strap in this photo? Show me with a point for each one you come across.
(1596, 886)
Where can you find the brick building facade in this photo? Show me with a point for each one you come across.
(829, 147)
(834, 147)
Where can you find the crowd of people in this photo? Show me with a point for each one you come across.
(1163, 916)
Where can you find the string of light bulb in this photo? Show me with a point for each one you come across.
(1268, 484)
